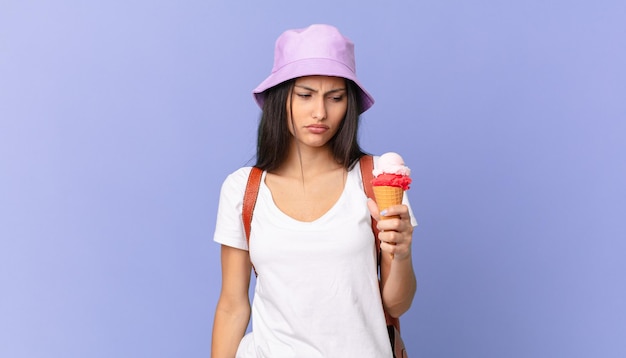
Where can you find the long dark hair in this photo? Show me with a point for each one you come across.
(273, 134)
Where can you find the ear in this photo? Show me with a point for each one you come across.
(371, 204)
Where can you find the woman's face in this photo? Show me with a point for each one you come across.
(318, 104)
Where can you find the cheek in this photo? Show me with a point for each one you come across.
(290, 123)
(338, 112)
(299, 113)
(293, 120)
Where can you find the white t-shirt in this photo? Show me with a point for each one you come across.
(317, 292)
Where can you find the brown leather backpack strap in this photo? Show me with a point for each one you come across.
(249, 199)
(367, 166)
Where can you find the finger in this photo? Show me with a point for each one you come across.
(394, 223)
(388, 247)
(397, 210)
(389, 236)
(390, 240)
(395, 250)
(373, 208)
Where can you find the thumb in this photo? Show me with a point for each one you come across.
(371, 204)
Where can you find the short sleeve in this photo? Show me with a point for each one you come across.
(229, 229)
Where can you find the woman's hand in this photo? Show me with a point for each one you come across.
(397, 278)
(396, 234)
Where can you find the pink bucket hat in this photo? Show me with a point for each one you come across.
(316, 50)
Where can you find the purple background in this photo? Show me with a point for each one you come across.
(120, 119)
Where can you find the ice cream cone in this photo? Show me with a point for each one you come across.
(391, 179)
(387, 196)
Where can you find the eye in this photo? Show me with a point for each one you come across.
(338, 98)
(303, 95)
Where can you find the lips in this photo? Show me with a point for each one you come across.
(317, 128)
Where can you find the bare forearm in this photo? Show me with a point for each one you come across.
(229, 327)
(400, 286)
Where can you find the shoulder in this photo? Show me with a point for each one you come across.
(357, 166)
(238, 177)
(235, 182)
(229, 227)
(356, 172)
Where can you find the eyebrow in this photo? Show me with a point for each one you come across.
(313, 90)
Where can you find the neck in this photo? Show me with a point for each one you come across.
(306, 161)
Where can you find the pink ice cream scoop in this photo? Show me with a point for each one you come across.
(391, 171)
(391, 179)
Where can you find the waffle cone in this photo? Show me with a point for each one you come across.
(387, 196)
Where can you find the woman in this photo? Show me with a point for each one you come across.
(317, 292)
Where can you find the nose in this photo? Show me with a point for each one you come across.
(319, 109)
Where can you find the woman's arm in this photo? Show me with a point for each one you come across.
(398, 283)
(233, 308)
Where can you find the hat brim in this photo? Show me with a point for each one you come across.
(311, 67)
